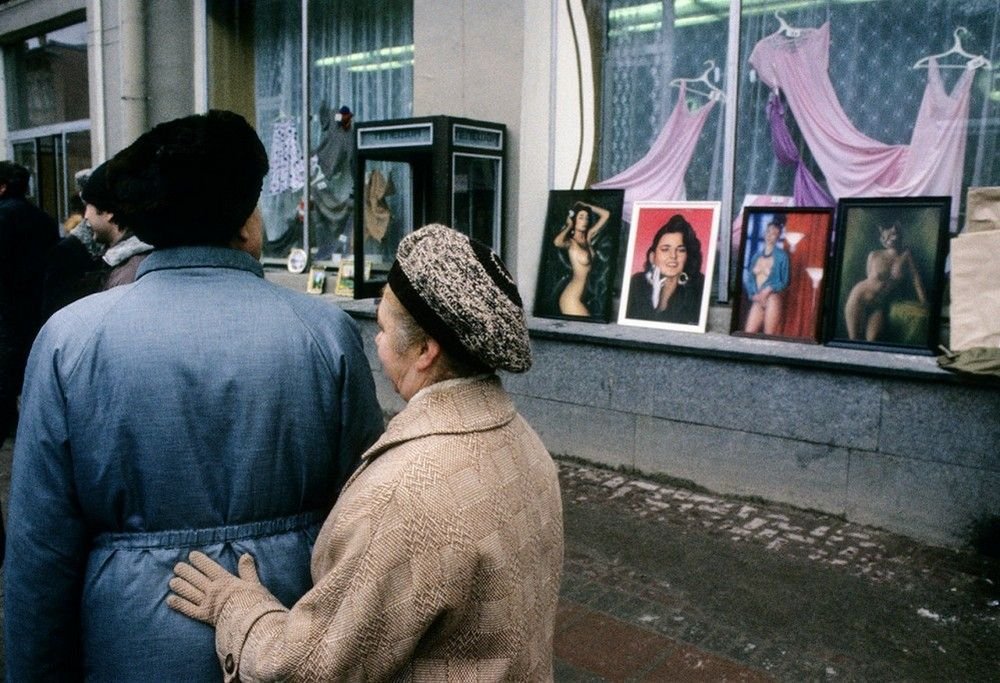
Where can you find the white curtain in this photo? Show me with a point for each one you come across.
(360, 56)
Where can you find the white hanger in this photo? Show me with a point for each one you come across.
(711, 91)
(785, 29)
(975, 61)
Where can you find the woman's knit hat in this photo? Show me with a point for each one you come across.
(459, 291)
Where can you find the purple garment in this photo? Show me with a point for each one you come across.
(807, 190)
(659, 175)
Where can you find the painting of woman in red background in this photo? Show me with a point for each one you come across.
(670, 259)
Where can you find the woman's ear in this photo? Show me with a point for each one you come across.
(430, 352)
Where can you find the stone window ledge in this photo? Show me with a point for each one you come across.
(716, 343)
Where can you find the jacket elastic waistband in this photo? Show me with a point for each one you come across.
(184, 538)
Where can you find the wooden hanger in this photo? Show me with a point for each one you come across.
(710, 91)
(975, 61)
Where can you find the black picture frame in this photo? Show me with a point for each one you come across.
(789, 303)
(553, 298)
(883, 296)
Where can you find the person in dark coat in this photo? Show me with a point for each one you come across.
(74, 267)
(26, 235)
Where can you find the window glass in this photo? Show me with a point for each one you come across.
(654, 55)
(476, 197)
(862, 120)
(361, 61)
(277, 69)
(46, 78)
(389, 213)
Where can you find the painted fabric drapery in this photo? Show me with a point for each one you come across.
(659, 175)
(853, 163)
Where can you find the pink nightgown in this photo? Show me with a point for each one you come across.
(659, 175)
(854, 164)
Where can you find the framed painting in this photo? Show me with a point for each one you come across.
(576, 274)
(782, 270)
(669, 264)
(317, 281)
(888, 274)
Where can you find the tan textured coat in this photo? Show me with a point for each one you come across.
(441, 560)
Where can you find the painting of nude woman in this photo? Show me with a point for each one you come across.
(889, 273)
(579, 254)
(782, 264)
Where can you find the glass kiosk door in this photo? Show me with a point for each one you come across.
(412, 172)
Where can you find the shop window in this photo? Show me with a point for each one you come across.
(47, 112)
(359, 58)
(643, 50)
(871, 101)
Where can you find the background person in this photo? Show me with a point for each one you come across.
(73, 267)
(577, 237)
(26, 235)
(765, 278)
(198, 407)
(123, 250)
(670, 288)
(442, 558)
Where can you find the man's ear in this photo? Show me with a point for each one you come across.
(248, 237)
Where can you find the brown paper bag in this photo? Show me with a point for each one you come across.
(982, 209)
(975, 290)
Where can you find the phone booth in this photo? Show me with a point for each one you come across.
(411, 172)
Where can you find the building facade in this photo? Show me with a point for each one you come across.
(584, 88)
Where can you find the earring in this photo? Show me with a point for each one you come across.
(682, 279)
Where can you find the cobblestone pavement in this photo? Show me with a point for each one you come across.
(686, 585)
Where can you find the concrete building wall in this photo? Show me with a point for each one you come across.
(469, 61)
(170, 60)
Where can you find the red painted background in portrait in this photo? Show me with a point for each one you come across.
(652, 219)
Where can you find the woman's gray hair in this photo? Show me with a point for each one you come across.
(409, 333)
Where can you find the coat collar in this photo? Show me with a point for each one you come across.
(199, 257)
(450, 407)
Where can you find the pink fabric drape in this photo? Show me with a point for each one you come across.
(659, 175)
(854, 164)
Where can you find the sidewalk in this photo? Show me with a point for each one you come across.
(663, 583)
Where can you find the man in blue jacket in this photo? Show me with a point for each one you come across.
(200, 406)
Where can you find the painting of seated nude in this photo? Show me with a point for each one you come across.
(888, 274)
(579, 254)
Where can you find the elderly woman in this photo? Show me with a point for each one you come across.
(442, 557)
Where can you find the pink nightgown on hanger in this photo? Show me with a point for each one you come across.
(854, 164)
(659, 175)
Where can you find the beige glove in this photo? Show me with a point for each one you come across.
(201, 588)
